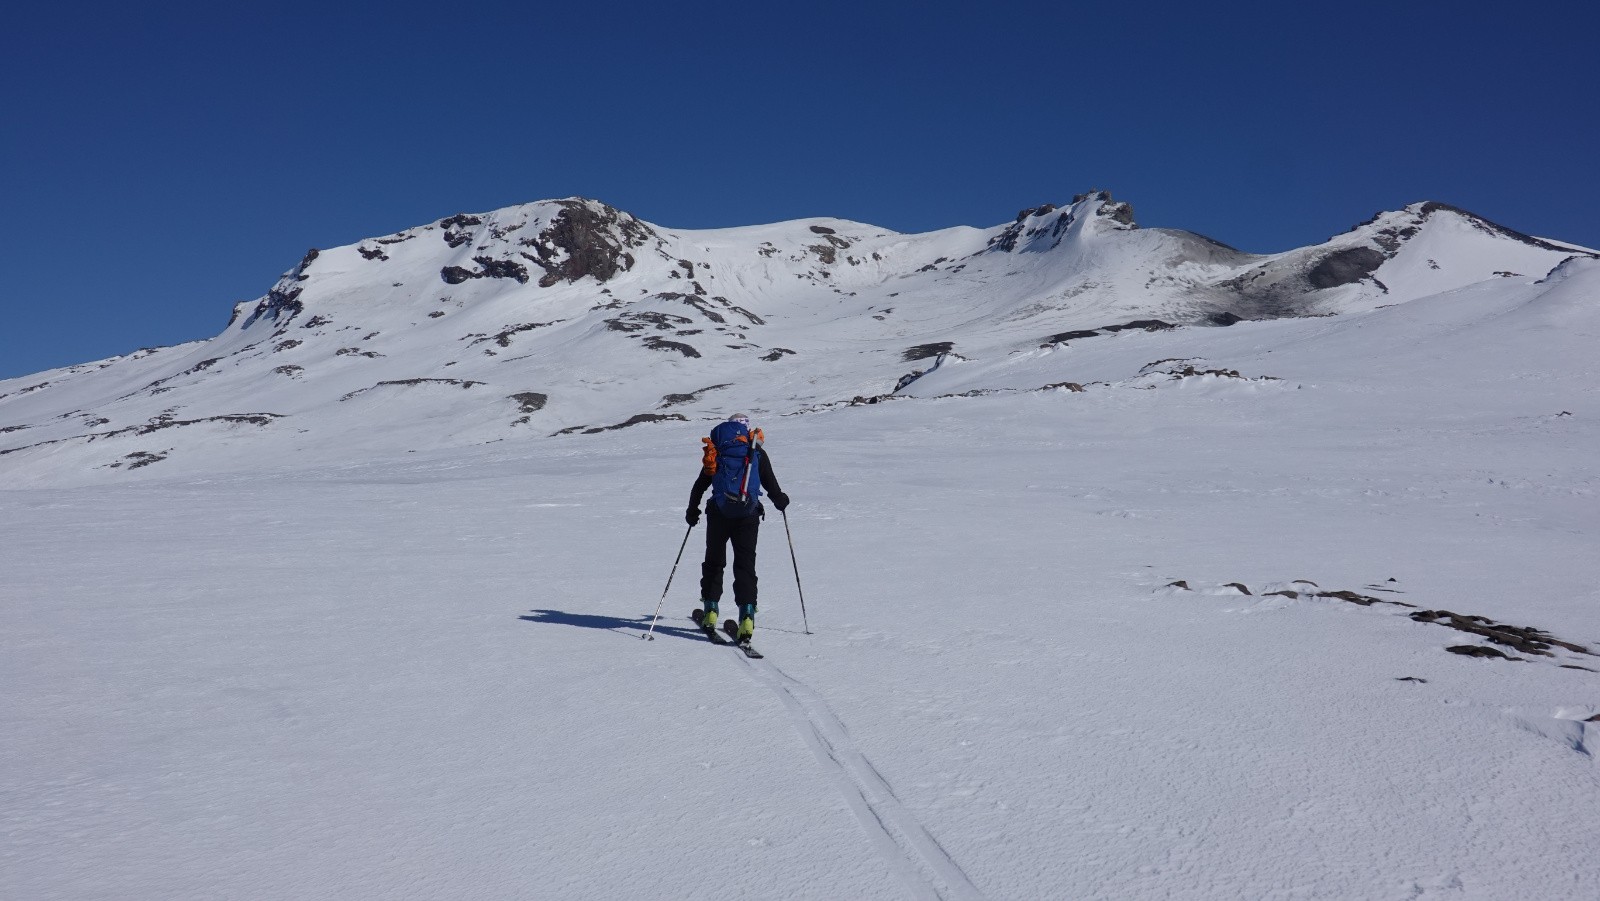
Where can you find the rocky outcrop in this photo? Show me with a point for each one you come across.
(530, 401)
(638, 419)
(411, 383)
(1345, 267)
(925, 351)
(588, 239)
(488, 268)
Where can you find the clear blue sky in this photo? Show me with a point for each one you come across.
(159, 162)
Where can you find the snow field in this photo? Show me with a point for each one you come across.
(422, 677)
(399, 669)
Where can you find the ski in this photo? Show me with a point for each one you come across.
(712, 635)
(745, 646)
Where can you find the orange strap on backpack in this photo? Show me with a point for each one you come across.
(708, 462)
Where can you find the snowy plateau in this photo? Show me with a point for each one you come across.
(1134, 566)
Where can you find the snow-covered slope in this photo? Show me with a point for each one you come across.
(569, 316)
(1302, 607)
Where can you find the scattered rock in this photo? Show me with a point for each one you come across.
(1239, 585)
(408, 383)
(163, 421)
(673, 400)
(489, 267)
(638, 321)
(924, 351)
(291, 371)
(631, 421)
(1475, 650)
(503, 338)
(1148, 325)
(1119, 211)
(291, 344)
(282, 299)
(1191, 372)
(1410, 679)
(455, 229)
(1352, 597)
(859, 400)
(459, 220)
(1181, 584)
(1070, 336)
(776, 354)
(144, 458)
(655, 342)
(1522, 638)
(531, 401)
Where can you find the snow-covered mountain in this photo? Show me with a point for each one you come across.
(1304, 606)
(571, 316)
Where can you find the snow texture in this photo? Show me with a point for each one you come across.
(1148, 612)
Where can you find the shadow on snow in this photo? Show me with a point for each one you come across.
(620, 625)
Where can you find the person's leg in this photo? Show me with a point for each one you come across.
(711, 570)
(744, 534)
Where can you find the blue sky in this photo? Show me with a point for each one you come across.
(160, 162)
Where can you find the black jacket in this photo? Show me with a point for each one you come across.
(769, 484)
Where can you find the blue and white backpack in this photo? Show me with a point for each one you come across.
(732, 456)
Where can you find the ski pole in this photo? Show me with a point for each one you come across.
(651, 633)
(796, 563)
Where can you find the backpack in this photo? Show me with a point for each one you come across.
(732, 456)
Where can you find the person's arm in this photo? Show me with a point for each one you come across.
(769, 483)
(692, 515)
(700, 486)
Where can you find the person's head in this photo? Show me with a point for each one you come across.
(741, 419)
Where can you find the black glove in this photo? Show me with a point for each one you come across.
(780, 500)
(692, 516)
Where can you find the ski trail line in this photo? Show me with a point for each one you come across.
(900, 839)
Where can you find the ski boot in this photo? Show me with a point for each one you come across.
(747, 623)
(707, 616)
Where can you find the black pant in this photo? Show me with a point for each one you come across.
(743, 533)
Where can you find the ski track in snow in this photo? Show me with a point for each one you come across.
(911, 852)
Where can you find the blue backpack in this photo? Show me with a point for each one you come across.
(732, 455)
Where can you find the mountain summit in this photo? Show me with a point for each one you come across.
(570, 315)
